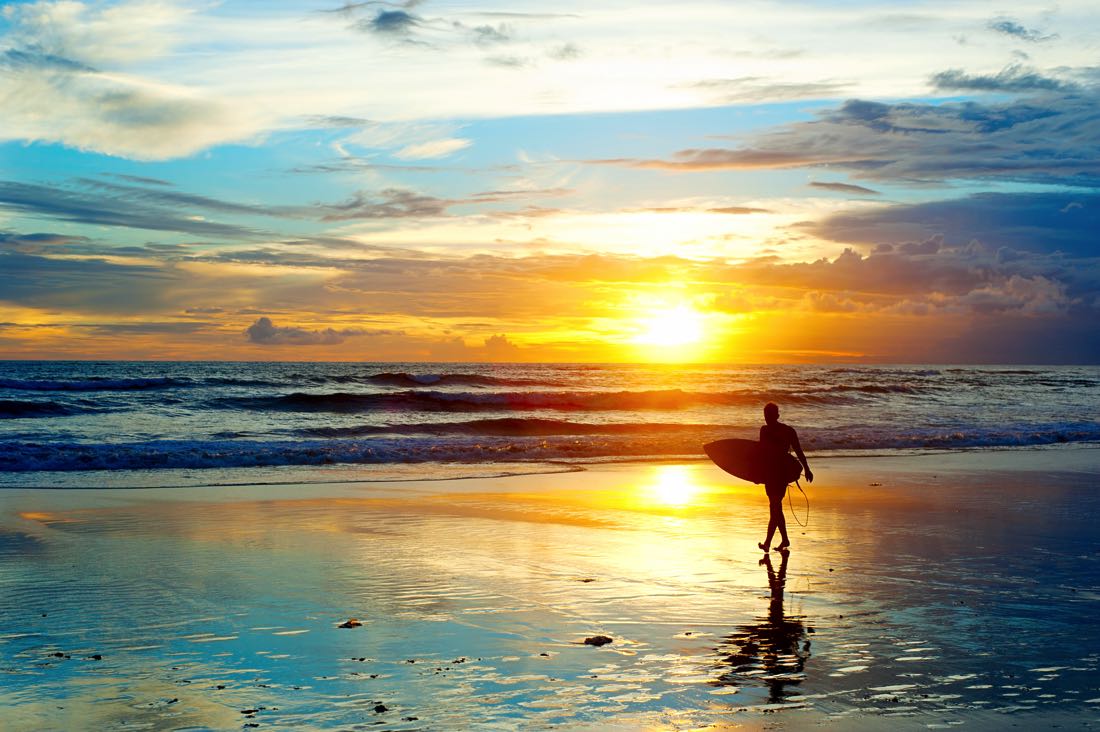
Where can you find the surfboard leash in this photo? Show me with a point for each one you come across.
(791, 502)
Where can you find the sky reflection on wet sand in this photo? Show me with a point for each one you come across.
(941, 597)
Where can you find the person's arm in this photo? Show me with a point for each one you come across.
(801, 456)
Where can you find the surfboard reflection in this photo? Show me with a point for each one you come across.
(771, 652)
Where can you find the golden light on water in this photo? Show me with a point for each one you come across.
(673, 486)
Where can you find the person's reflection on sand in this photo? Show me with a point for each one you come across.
(772, 651)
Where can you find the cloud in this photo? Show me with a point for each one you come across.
(487, 35)
(66, 83)
(391, 22)
(140, 179)
(265, 332)
(433, 149)
(16, 59)
(391, 203)
(336, 121)
(88, 285)
(508, 62)
(1042, 223)
(760, 89)
(1009, 27)
(128, 207)
(117, 115)
(1009, 79)
(565, 52)
(844, 188)
(1036, 295)
(145, 328)
(738, 210)
(1044, 139)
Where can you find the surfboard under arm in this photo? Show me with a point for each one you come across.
(754, 462)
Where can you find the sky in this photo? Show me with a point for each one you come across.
(751, 182)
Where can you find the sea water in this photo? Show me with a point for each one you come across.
(88, 424)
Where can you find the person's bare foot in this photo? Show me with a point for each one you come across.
(782, 548)
(764, 547)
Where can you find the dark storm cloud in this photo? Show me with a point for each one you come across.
(1009, 27)
(1042, 139)
(1010, 79)
(844, 188)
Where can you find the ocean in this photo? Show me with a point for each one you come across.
(117, 423)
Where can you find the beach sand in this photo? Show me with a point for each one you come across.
(934, 591)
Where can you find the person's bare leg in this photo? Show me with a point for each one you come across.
(781, 523)
(773, 522)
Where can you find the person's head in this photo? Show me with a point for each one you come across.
(771, 413)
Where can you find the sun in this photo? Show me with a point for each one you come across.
(681, 325)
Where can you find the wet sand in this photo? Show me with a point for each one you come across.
(934, 591)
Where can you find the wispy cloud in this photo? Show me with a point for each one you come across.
(433, 149)
(87, 207)
(763, 89)
(1009, 79)
(1009, 27)
(390, 203)
(844, 188)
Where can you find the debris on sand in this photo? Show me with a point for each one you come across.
(598, 640)
(350, 623)
(379, 708)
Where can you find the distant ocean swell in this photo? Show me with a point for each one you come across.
(441, 401)
(90, 384)
(20, 409)
(490, 441)
(399, 379)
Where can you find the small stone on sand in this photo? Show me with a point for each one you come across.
(597, 640)
(379, 708)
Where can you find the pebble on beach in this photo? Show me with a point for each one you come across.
(597, 640)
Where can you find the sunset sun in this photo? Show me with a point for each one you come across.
(681, 325)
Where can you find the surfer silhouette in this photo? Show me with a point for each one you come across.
(782, 439)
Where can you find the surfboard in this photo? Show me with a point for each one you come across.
(751, 461)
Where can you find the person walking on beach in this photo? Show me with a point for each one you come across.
(781, 438)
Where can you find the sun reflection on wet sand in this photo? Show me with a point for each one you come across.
(476, 597)
(673, 486)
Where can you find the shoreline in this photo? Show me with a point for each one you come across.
(925, 592)
(267, 476)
